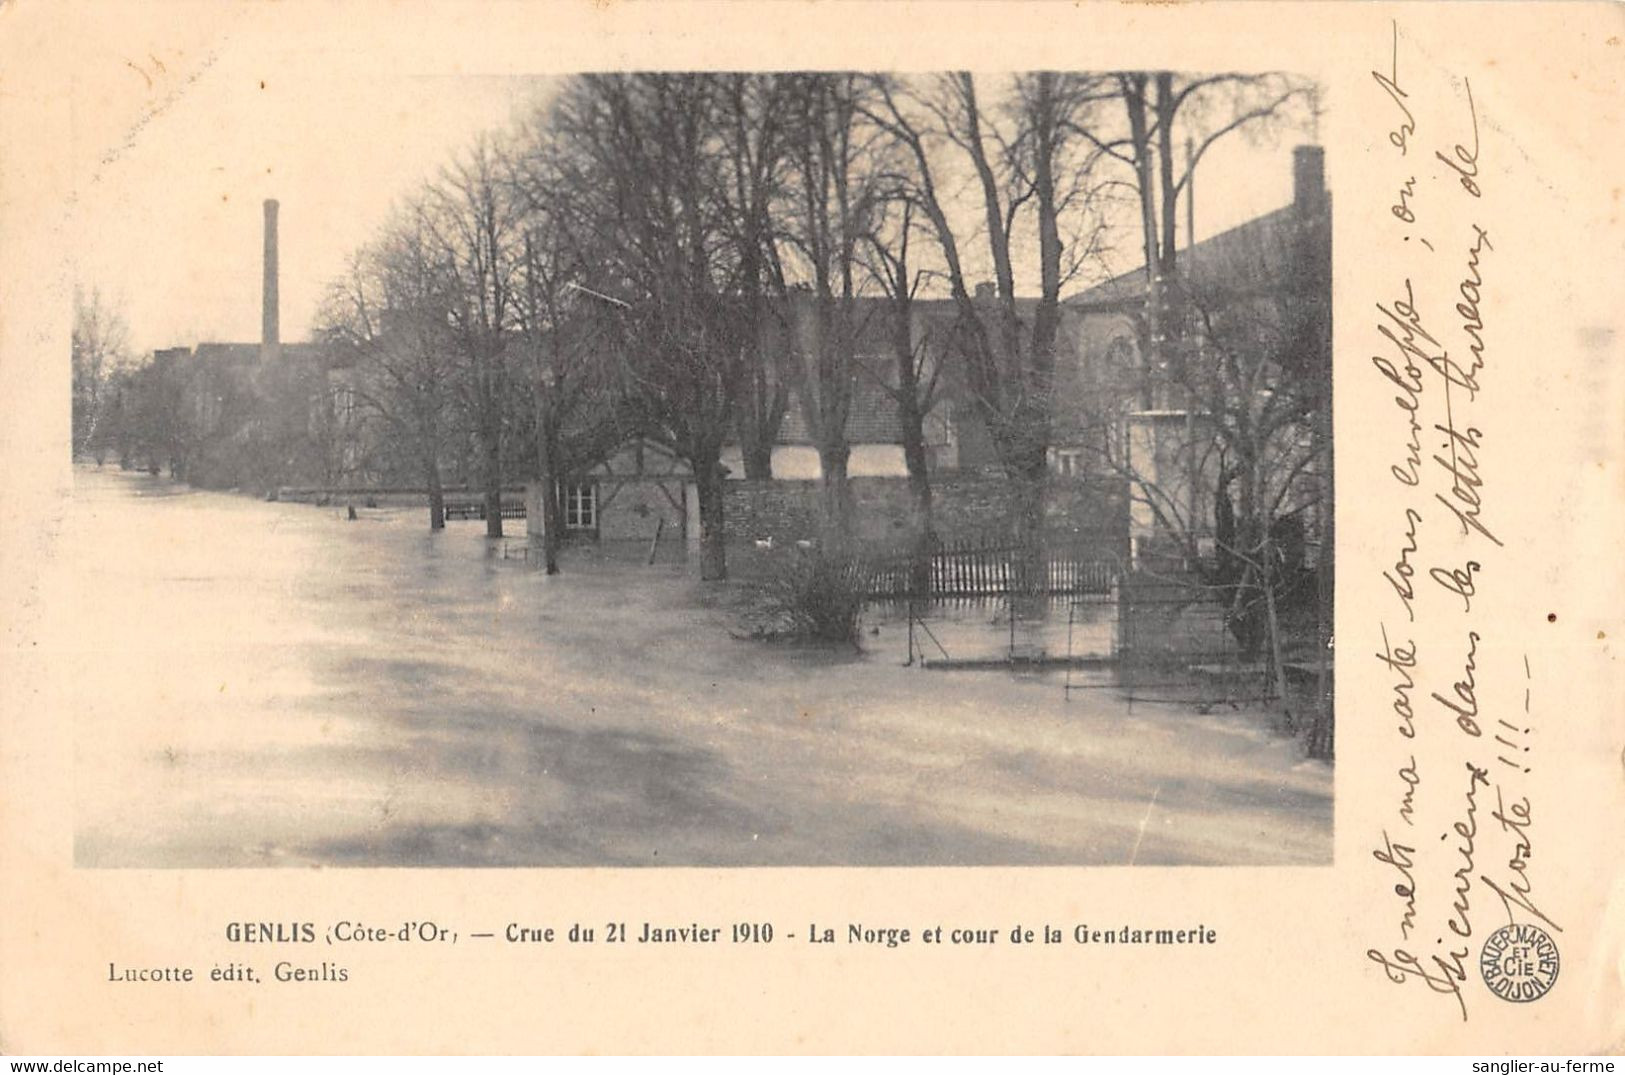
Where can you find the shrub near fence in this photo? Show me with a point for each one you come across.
(814, 596)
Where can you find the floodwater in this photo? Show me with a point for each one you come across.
(257, 684)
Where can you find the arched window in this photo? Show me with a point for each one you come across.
(1122, 356)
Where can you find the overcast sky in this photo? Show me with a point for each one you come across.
(239, 108)
(170, 214)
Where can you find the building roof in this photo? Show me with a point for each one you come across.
(872, 418)
(216, 353)
(1258, 249)
(227, 354)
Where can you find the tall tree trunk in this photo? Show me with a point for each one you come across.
(1134, 87)
(1250, 530)
(1029, 479)
(1168, 203)
(1171, 313)
(765, 396)
(758, 452)
(925, 540)
(917, 461)
(713, 533)
(437, 496)
(836, 493)
(1273, 631)
(910, 414)
(552, 525)
(493, 488)
(543, 511)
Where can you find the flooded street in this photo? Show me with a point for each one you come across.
(260, 684)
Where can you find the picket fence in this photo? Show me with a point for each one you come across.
(974, 569)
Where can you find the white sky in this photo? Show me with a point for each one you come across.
(170, 187)
(170, 228)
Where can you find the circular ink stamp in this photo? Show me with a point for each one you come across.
(1519, 963)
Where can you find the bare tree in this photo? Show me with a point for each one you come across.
(636, 153)
(1031, 168)
(100, 347)
(156, 421)
(475, 227)
(1169, 114)
(916, 359)
(831, 198)
(390, 319)
(752, 137)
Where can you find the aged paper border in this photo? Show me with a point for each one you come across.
(1290, 974)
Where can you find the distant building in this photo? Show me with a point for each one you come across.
(260, 414)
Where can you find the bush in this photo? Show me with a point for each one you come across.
(812, 595)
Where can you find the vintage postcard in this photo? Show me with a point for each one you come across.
(803, 527)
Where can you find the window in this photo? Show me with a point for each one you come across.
(1067, 462)
(581, 507)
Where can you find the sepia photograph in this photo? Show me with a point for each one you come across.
(722, 468)
(822, 526)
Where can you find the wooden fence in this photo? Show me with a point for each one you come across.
(475, 509)
(970, 569)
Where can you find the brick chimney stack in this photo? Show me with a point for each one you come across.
(270, 330)
(1308, 177)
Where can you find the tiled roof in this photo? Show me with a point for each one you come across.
(872, 418)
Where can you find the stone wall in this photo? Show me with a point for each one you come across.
(964, 506)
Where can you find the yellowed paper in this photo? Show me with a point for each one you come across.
(1479, 779)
